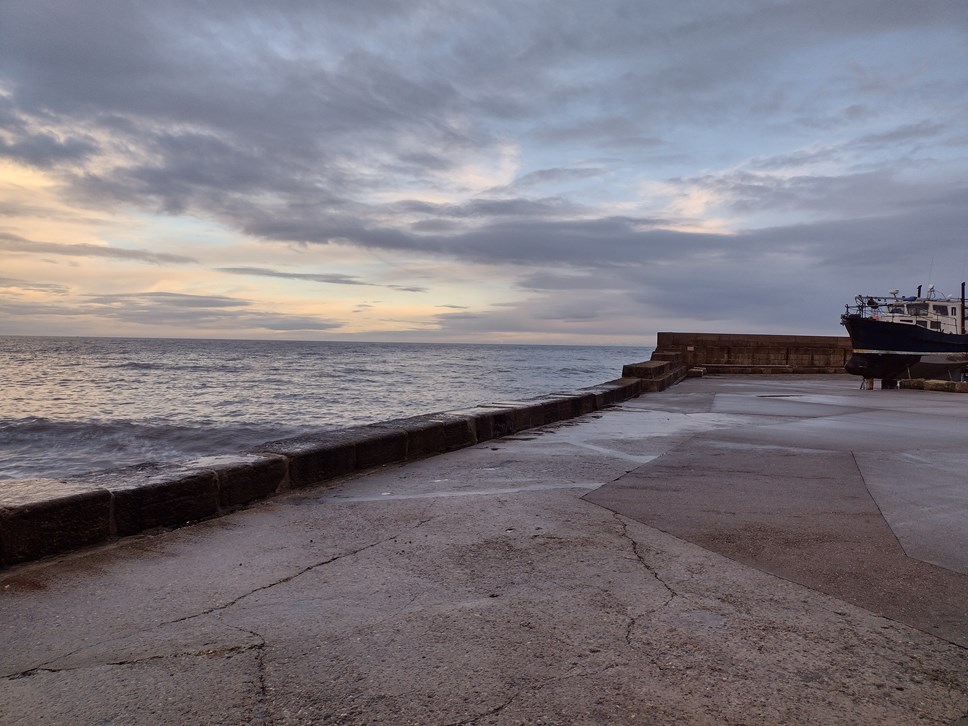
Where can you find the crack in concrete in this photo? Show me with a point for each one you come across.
(282, 581)
(43, 667)
(633, 620)
(137, 661)
(533, 689)
(289, 578)
(262, 709)
(641, 558)
(492, 712)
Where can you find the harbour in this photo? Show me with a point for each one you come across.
(759, 547)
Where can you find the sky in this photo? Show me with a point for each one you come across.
(543, 172)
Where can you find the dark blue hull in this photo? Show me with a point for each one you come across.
(890, 350)
(882, 338)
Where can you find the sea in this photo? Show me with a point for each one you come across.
(78, 405)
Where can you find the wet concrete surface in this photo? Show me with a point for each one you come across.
(732, 550)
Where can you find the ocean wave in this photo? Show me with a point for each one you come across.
(37, 448)
(175, 367)
(87, 404)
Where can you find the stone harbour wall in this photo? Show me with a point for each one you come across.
(737, 353)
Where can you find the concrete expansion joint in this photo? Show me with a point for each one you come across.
(877, 506)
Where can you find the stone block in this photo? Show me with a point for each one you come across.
(916, 384)
(435, 433)
(40, 517)
(589, 403)
(599, 395)
(379, 444)
(650, 369)
(618, 390)
(498, 419)
(314, 458)
(320, 457)
(244, 478)
(489, 422)
(522, 415)
(558, 408)
(572, 405)
(605, 395)
(151, 495)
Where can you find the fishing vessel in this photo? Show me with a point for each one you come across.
(916, 336)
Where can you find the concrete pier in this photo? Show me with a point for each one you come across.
(756, 549)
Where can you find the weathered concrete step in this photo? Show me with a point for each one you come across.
(656, 374)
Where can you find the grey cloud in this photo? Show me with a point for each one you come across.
(261, 118)
(797, 159)
(206, 312)
(593, 314)
(15, 243)
(9, 283)
(769, 280)
(545, 280)
(332, 279)
(555, 176)
(195, 312)
(45, 150)
(169, 299)
(875, 192)
(288, 322)
(902, 134)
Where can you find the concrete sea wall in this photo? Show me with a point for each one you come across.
(42, 517)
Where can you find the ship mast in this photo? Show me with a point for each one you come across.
(962, 316)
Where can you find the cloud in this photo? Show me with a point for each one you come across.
(610, 164)
(8, 283)
(15, 243)
(167, 299)
(543, 177)
(46, 150)
(203, 312)
(329, 279)
(332, 279)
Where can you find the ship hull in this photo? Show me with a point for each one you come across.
(896, 350)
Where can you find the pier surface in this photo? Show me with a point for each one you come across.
(756, 549)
